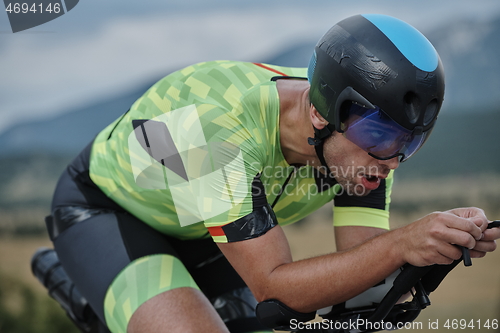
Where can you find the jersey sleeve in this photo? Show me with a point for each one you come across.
(184, 157)
(203, 163)
(371, 210)
(252, 225)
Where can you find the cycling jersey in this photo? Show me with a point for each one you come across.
(198, 155)
(201, 148)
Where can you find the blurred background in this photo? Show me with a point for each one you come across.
(65, 80)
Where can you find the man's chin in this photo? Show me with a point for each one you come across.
(357, 190)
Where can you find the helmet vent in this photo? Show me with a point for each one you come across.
(411, 104)
(430, 112)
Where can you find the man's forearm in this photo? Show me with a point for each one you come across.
(336, 277)
(347, 237)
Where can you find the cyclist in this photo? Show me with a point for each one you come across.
(169, 221)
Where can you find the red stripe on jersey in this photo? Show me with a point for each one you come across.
(216, 231)
(270, 69)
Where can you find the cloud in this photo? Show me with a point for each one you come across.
(46, 73)
(50, 70)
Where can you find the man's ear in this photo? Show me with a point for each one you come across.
(317, 119)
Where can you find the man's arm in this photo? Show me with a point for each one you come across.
(347, 237)
(265, 263)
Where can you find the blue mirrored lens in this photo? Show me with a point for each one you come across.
(415, 145)
(376, 133)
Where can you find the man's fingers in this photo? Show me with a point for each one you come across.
(459, 237)
(474, 214)
(491, 234)
(451, 253)
(443, 234)
(477, 254)
(464, 224)
(485, 246)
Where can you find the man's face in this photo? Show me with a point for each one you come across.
(353, 168)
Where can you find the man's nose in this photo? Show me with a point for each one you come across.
(392, 164)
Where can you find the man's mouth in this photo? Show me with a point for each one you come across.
(371, 179)
(371, 182)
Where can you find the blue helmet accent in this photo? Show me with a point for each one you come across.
(312, 67)
(409, 41)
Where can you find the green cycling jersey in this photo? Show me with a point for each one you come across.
(202, 146)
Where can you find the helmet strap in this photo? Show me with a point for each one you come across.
(319, 136)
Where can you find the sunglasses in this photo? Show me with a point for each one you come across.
(380, 136)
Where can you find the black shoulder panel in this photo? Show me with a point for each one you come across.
(257, 223)
(375, 199)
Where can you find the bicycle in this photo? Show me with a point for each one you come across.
(388, 313)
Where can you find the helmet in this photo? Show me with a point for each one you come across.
(376, 61)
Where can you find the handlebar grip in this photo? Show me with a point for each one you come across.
(409, 277)
(432, 280)
(466, 256)
(46, 267)
(494, 224)
(466, 252)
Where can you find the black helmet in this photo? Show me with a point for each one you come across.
(376, 61)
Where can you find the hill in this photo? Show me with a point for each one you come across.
(460, 144)
(469, 50)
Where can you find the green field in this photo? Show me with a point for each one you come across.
(468, 293)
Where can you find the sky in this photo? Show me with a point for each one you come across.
(105, 48)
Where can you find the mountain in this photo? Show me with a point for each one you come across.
(463, 144)
(468, 49)
(69, 132)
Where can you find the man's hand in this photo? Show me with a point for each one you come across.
(432, 239)
(487, 241)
